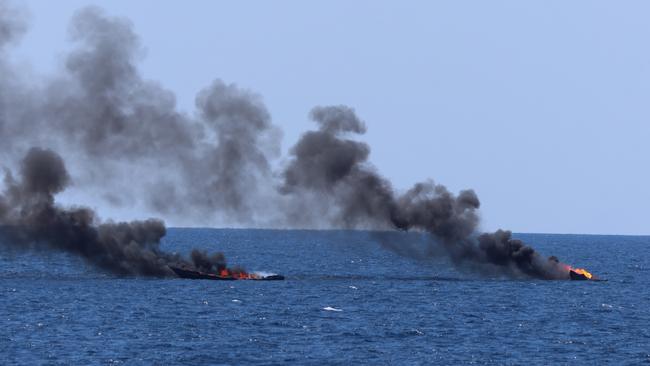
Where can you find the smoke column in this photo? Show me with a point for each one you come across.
(328, 162)
(114, 127)
(124, 139)
(31, 220)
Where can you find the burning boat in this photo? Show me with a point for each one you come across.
(224, 275)
(581, 274)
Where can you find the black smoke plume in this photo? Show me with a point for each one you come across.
(327, 161)
(31, 220)
(125, 141)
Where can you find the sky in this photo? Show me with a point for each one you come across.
(540, 106)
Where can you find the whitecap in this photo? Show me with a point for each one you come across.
(329, 308)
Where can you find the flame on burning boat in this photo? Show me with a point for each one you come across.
(225, 274)
(584, 272)
(579, 274)
(239, 274)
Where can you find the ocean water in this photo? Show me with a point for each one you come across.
(345, 301)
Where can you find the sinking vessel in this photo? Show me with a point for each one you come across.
(198, 275)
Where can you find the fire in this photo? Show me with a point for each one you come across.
(580, 271)
(583, 272)
(224, 274)
(237, 274)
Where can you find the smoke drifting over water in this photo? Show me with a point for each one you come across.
(327, 163)
(31, 220)
(121, 132)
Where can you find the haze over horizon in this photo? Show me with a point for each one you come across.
(545, 118)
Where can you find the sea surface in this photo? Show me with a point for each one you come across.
(345, 301)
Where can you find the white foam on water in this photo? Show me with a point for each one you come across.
(329, 308)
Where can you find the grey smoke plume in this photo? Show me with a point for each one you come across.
(105, 117)
(30, 219)
(12, 23)
(238, 165)
(12, 27)
(123, 136)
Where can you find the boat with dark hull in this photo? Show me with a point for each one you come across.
(575, 276)
(198, 275)
(581, 276)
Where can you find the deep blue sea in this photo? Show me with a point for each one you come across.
(345, 301)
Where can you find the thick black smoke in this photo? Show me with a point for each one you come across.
(329, 162)
(30, 219)
(125, 140)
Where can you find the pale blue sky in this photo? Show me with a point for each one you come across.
(541, 106)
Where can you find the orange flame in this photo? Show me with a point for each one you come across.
(237, 274)
(583, 272)
(580, 271)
